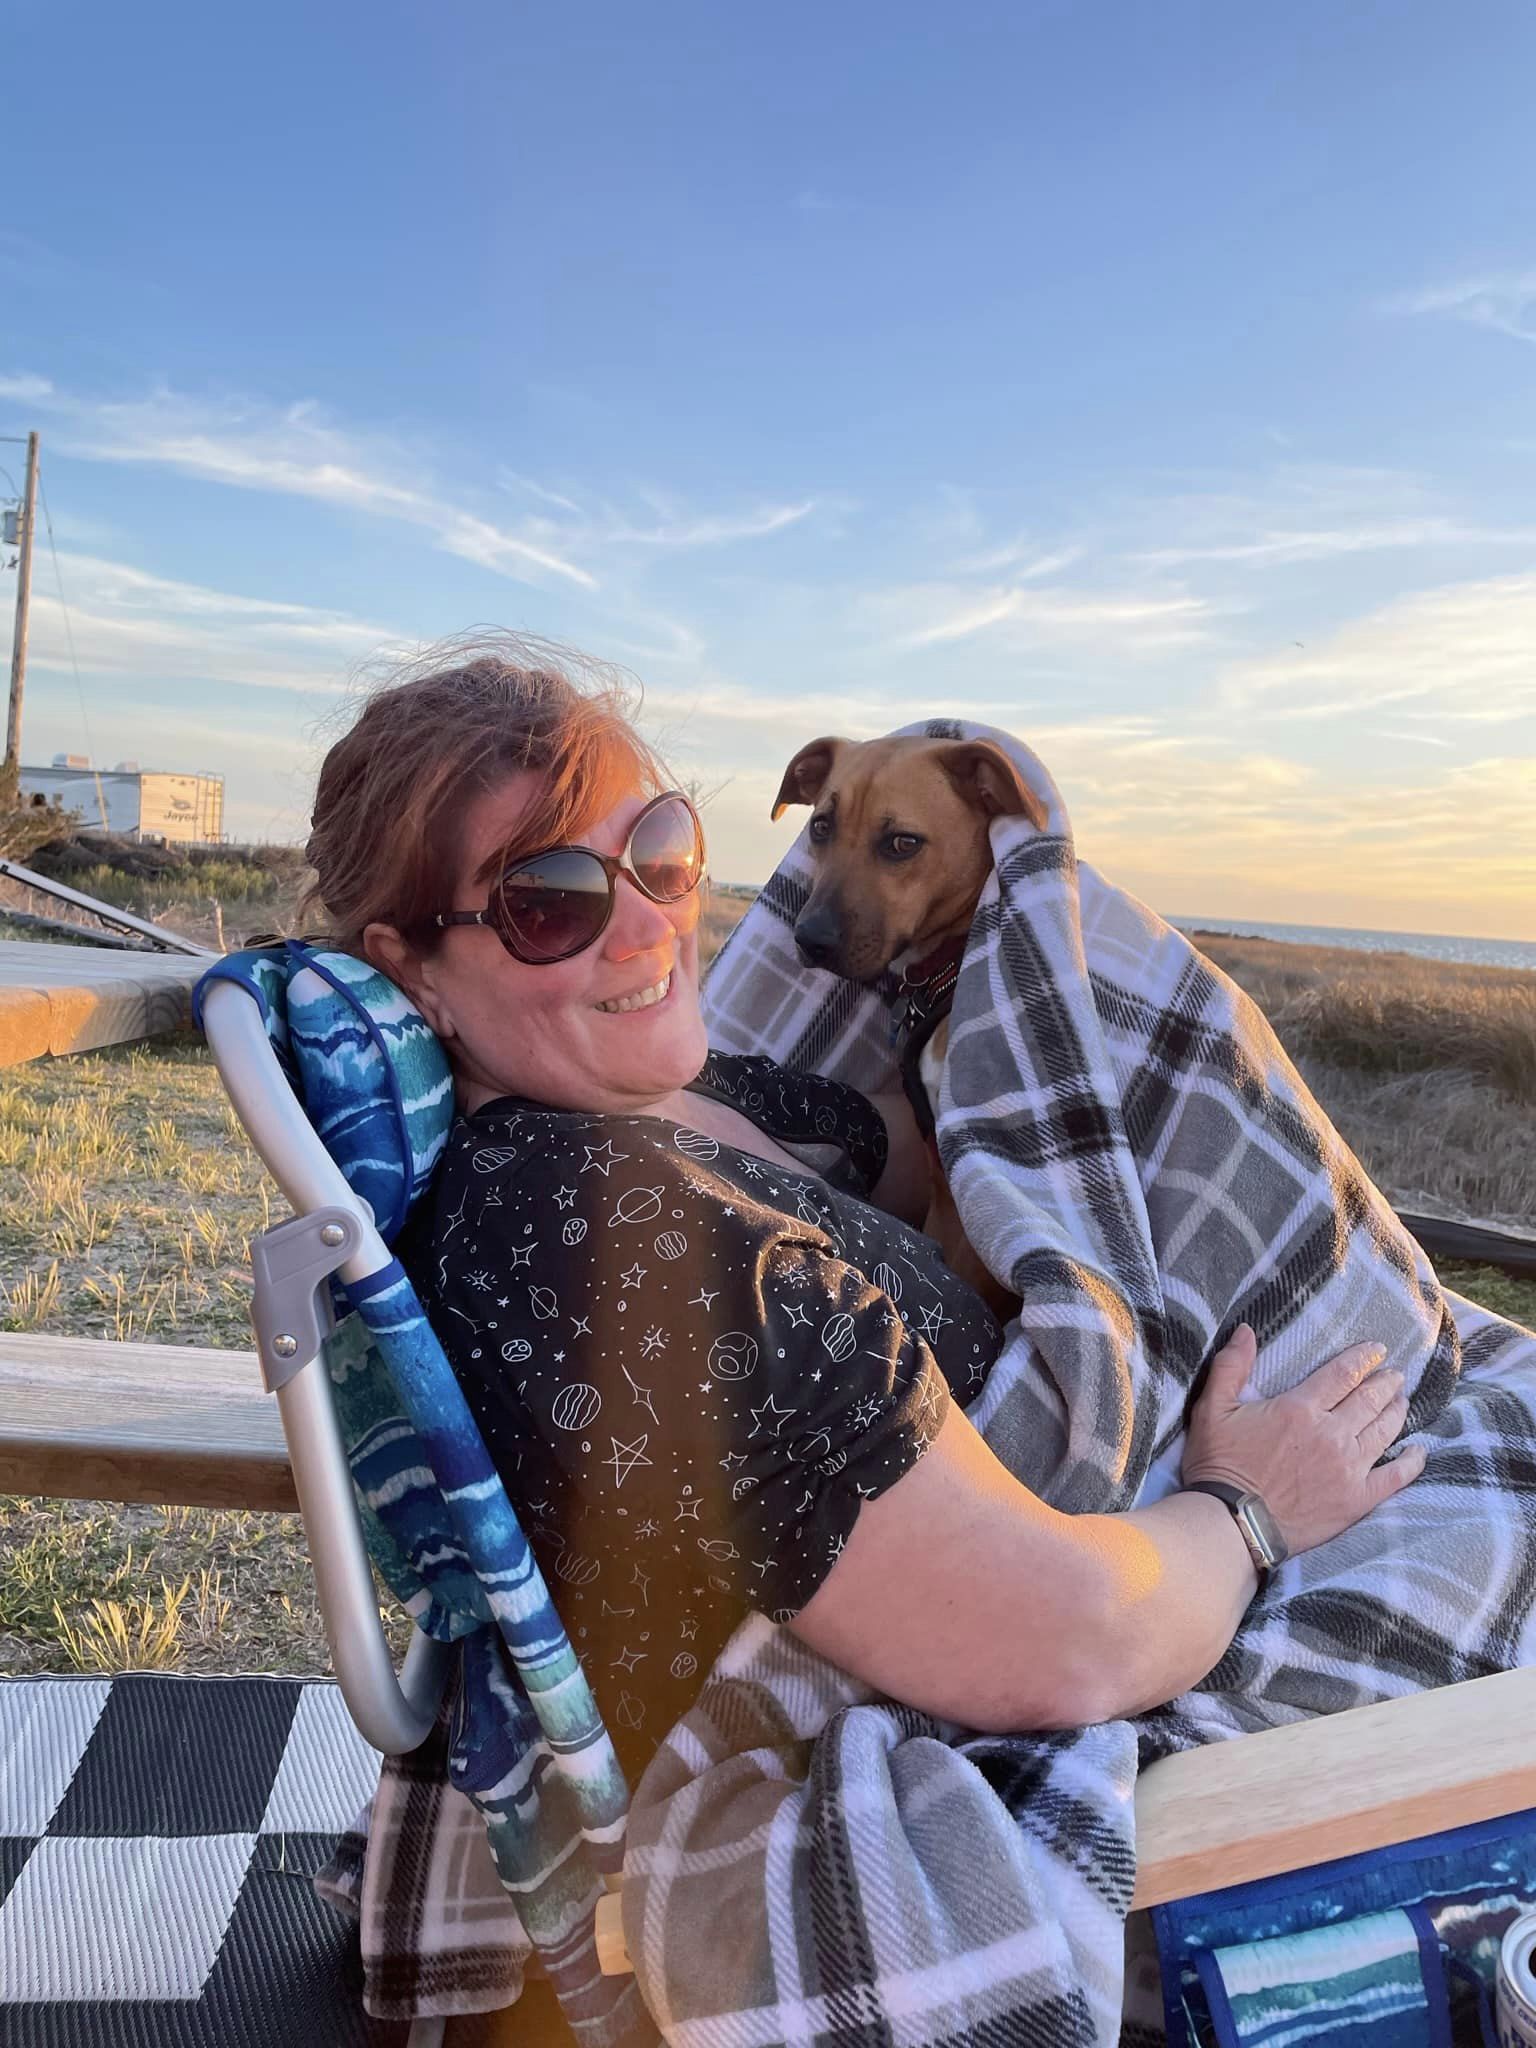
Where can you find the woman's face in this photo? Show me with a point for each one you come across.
(512, 1029)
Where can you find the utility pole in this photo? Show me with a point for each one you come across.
(23, 606)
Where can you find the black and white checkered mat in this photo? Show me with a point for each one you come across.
(158, 1836)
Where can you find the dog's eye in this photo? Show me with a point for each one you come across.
(902, 845)
(820, 830)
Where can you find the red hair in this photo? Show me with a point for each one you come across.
(393, 789)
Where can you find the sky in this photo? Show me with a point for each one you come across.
(1157, 384)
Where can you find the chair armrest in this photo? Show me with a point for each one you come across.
(1336, 1785)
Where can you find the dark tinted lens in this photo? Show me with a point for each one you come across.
(553, 906)
(667, 851)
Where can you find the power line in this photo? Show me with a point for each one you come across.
(69, 635)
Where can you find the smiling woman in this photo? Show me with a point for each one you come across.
(703, 1347)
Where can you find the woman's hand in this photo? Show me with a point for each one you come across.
(1311, 1452)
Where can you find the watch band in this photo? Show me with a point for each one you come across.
(1237, 1498)
(1222, 1490)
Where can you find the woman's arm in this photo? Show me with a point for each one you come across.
(905, 1188)
(962, 1593)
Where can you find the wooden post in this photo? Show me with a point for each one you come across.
(23, 606)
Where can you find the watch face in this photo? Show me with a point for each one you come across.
(1263, 1530)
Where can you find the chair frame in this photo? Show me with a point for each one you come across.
(394, 1712)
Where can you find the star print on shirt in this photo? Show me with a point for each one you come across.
(580, 1326)
(565, 1198)
(688, 1510)
(634, 1276)
(625, 1457)
(704, 1298)
(770, 1417)
(520, 1255)
(596, 1159)
(627, 1659)
(932, 1320)
(796, 1316)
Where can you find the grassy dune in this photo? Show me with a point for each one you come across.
(128, 1198)
(1427, 1068)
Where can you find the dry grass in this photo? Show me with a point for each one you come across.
(217, 895)
(1427, 1068)
(128, 1196)
(723, 911)
(1391, 1013)
(88, 1586)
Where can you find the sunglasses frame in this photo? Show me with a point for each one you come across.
(612, 865)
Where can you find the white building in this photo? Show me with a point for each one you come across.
(160, 807)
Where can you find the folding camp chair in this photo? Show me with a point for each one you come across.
(347, 1098)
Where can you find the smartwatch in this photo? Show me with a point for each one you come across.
(1258, 1527)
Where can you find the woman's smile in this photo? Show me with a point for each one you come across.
(642, 999)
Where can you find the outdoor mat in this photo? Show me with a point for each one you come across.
(158, 1838)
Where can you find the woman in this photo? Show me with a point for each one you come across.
(715, 1366)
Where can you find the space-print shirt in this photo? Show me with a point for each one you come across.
(691, 1366)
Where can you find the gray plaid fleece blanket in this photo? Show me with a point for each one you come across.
(1132, 1150)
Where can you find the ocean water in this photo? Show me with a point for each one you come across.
(1428, 945)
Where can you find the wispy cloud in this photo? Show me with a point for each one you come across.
(1129, 622)
(511, 480)
(810, 200)
(25, 388)
(300, 451)
(1503, 300)
(1025, 558)
(297, 452)
(126, 622)
(1461, 653)
(708, 533)
(1320, 544)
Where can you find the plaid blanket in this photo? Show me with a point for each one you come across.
(1133, 1152)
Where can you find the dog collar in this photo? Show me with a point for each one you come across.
(925, 995)
(941, 965)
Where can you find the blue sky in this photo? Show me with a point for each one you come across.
(1156, 383)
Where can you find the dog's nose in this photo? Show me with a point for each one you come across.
(817, 938)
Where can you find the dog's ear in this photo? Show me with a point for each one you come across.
(986, 778)
(806, 776)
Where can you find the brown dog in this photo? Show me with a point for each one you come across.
(899, 836)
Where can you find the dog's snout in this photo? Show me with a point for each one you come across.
(818, 936)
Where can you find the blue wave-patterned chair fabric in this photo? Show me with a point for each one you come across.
(527, 1744)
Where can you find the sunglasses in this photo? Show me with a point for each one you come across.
(555, 904)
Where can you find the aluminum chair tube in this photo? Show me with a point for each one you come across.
(394, 1713)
